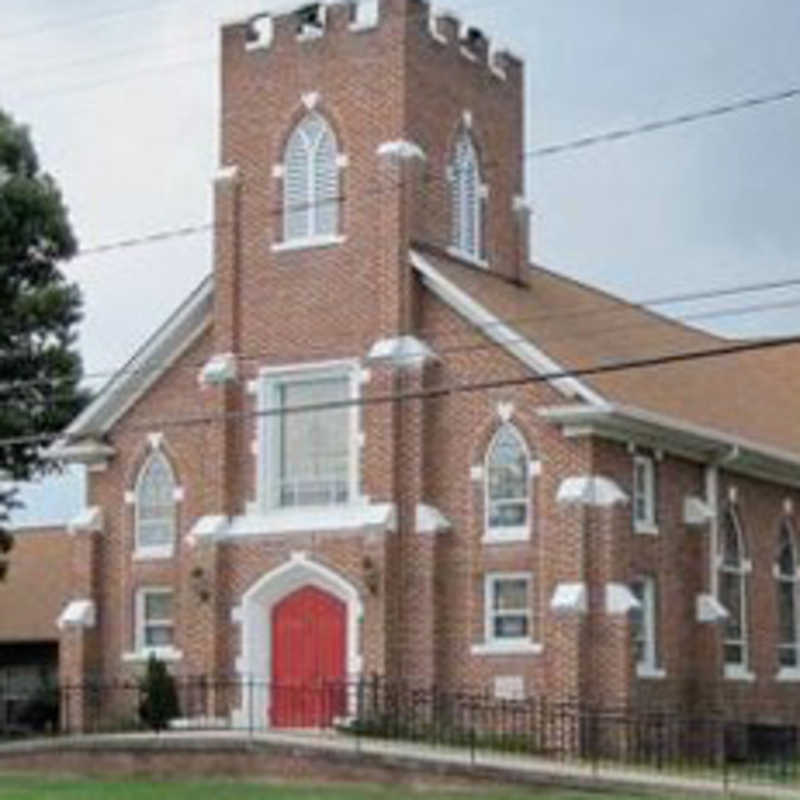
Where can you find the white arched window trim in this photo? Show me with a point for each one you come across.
(148, 542)
(311, 185)
(734, 574)
(511, 533)
(787, 578)
(468, 195)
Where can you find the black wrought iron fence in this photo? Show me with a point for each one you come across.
(394, 714)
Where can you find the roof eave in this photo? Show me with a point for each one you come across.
(696, 442)
(493, 327)
(160, 351)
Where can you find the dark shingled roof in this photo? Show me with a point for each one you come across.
(753, 395)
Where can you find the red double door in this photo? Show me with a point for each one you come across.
(308, 660)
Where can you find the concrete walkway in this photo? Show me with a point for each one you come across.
(410, 756)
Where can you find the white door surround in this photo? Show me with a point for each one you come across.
(254, 614)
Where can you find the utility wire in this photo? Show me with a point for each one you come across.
(730, 311)
(69, 22)
(670, 122)
(548, 150)
(434, 392)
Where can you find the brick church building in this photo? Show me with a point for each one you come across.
(369, 444)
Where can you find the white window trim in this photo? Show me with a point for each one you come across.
(646, 525)
(141, 652)
(492, 645)
(482, 193)
(519, 533)
(649, 667)
(468, 257)
(341, 161)
(308, 243)
(788, 673)
(737, 671)
(269, 379)
(160, 551)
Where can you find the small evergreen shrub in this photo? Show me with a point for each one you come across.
(159, 697)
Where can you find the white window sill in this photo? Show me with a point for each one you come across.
(358, 27)
(788, 675)
(645, 528)
(646, 672)
(153, 553)
(308, 244)
(506, 536)
(510, 648)
(734, 672)
(305, 519)
(161, 653)
(468, 257)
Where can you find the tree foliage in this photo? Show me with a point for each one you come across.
(40, 367)
(159, 703)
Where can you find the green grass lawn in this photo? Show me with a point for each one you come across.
(24, 788)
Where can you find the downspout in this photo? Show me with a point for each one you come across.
(712, 495)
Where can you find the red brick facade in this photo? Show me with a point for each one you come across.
(418, 594)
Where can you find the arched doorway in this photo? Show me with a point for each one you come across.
(287, 596)
(308, 659)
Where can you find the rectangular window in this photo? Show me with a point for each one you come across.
(644, 494)
(154, 619)
(643, 621)
(508, 608)
(309, 457)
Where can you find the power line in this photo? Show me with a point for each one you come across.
(434, 392)
(69, 22)
(148, 238)
(582, 311)
(661, 124)
(538, 152)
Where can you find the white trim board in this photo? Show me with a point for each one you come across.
(192, 318)
(492, 327)
(695, 442)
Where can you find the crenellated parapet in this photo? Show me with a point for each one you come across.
(306, 22)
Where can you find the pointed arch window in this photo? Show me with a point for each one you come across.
(508, 486)
(733, 568)
(311, 181)
(788, 587)
(155, 508)
(466, 199)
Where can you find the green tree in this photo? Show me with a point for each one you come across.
(40, 368)
(159, 702)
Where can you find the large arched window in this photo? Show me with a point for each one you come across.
(467, 202)
(311, 181)
(508, 486)
(155, 508)
(788, 586)
(733, 570)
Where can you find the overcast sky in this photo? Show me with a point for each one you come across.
(122, 99)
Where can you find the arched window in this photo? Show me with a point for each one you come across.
(466, 187)
(733, 569)
(788, 587)
(508, 486)
(155, 508)
(311, 181)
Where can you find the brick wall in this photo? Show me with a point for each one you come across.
(426, 612)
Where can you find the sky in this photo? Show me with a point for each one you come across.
(122, 98)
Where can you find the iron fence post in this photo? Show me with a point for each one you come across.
(472, 743)
(250, 721)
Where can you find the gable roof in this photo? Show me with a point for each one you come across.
(130, 382)
(751, 396)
